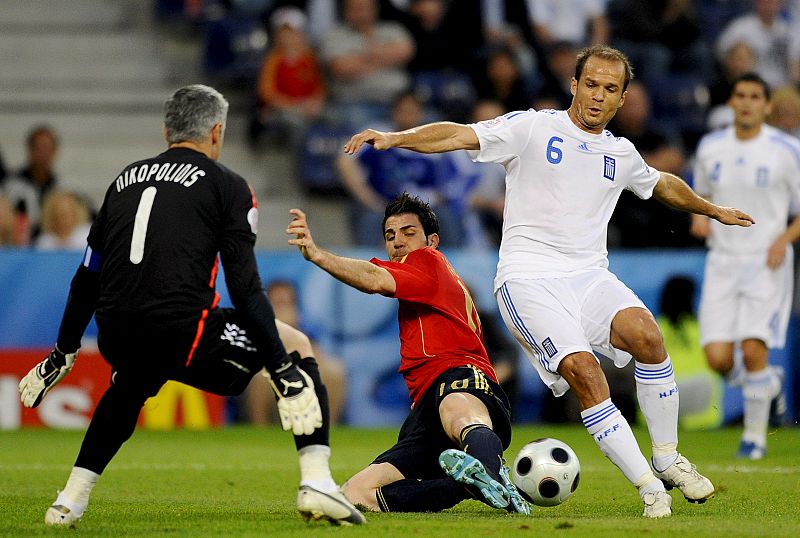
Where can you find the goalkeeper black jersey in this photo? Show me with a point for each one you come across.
(164, 225)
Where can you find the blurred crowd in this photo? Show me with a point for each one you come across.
(327, 68)
(321, 70)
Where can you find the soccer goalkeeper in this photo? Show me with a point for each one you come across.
(148, 276)
(451, 445)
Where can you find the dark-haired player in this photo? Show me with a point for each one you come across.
(459, 424)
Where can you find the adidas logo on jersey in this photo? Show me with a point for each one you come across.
(584, 148)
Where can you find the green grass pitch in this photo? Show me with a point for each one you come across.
(242, 481)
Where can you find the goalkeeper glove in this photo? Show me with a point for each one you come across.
(44, 376)
(298, 405)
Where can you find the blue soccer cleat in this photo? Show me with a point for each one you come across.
(517, 504)
(751, 451)
(470, 472)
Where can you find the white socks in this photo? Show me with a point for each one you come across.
(759, 389)
(613, 435)
(75, 495)
(658, 399)
(314, 469)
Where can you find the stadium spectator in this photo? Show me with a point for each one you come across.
(457, 401)
(488, 197)
(291, 91)
(660, 37)
(164, 225)
(579, 22)
(65, 222)
(785, 113)
(3, 172)
(774, 41)
(7, 223)
(699, 387)
(560, 62)
(366, 60)
(553, 287)
(27, 189)
(637, 223)
(739, 59)
(747, 285)
(258, 399)
(503, 81)
(375, 178)
(434, 43)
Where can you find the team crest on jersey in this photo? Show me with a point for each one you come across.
(549, 347)
(609, 167)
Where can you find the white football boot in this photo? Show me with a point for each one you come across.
(683, 475)
(315, 505)
(657, 504)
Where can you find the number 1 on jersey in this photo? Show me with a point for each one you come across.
(140, 224)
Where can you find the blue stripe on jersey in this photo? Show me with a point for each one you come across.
(91, 259)
(524, 331)
(788, 143)
(514, 113)
(599, 416)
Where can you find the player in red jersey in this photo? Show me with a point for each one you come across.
(459, 423)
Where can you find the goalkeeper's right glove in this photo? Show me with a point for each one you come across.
(44, 376)
(298, 405)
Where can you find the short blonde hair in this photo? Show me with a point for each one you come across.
(50, 214)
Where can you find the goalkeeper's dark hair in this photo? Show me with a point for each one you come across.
(406, 203)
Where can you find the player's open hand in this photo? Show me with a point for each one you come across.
(298, 227)
(378, 140)
(733, 217)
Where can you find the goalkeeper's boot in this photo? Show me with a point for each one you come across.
(470, 472)
(316, 505)
(777, 407)
(657, 504)
(518, 503)
(63, 512)
(683, 475)
(751, 451)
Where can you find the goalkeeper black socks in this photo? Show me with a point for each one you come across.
(321, 435)
(480, 442)
(412, 495)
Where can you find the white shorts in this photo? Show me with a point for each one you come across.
(555, 317)
(744, 299)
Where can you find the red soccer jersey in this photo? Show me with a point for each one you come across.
(439, 326)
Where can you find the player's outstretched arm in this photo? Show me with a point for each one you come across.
(431, 138)
(360, 274)
(674, 192)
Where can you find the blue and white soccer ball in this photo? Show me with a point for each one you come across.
(546, 472)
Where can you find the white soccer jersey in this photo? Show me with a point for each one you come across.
(562, 185)
(760, 176)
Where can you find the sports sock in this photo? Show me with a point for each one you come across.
(613, 435)
(75, 495)
(412, 495)
(480, 442)
(314, 468)
(658, 399)
(321, 435)
(736, 375)
(759, 388)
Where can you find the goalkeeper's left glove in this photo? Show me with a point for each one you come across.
(298, 405)
(44, 376)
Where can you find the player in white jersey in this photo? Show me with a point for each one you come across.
(564, 175)
(747, 290)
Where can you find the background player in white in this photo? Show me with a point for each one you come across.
(564, 175)
(747, 290)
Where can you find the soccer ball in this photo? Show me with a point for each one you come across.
(546, 472)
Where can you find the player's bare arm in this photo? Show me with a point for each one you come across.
(431, 138)
(674, 192)
(360, 274)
